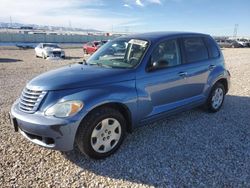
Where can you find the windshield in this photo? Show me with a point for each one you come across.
(50, 46)
(120, 53)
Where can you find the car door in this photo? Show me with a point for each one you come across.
(197, 65)
(163, 87)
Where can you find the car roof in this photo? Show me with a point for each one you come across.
(155, 36)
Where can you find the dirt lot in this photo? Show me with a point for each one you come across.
(194, 148)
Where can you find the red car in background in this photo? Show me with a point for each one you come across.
(91, 47)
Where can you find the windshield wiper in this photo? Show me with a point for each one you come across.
(99, 64)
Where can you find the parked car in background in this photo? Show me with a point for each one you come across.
(49, 50)
(244, 42)
(227, 43)
(131, 81)
(224, 43)
(91, 47)
(236, 44)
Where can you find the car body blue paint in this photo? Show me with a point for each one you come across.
(148, 96)
(78, 76)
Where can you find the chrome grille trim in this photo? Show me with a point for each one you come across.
(26, 103)
(30, 100)
(26, 99)
(26, 109)
(29, 96)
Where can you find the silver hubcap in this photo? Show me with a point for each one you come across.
(106, 135)
(217, 98)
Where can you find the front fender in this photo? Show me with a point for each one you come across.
(122, 92)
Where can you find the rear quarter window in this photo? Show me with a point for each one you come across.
(212, 47)
(195, 49)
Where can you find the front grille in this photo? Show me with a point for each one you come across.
(57, 54)
(30, 100)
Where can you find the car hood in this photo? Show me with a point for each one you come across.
(77, 76)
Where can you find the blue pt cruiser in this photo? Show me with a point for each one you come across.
(129, 81)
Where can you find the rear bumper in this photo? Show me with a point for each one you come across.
(49, 132)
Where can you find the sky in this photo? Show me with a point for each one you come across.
(215, 17)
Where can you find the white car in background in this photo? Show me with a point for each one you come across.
(49, 50)
(244, 42)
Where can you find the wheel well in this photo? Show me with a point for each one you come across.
(223, 81)
(122, 109)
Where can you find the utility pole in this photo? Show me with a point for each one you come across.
(236, 26)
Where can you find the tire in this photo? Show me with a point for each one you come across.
(216, 98)
(44, 56)
(85, 51)
(97, 136)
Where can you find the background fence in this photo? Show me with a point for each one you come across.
(52, 38)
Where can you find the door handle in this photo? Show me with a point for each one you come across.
(183, 74)
(211, 67)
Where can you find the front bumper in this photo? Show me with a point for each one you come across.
(49, 132)
(51, 55)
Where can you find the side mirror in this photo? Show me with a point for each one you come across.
(152, 66)
(157, 65)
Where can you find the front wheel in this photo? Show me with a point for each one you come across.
(44, 56)
(216, 98)
(101, 133)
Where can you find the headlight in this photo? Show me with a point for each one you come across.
(48, 52)
(64, 109)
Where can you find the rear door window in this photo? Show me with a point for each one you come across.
(195, 49)
(212, 48)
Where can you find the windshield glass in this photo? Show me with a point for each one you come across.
(50, 46)
(120, 53)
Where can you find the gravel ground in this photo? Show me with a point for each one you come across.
(192, 149)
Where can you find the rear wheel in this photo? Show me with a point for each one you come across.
(101, 133)
(216, 98)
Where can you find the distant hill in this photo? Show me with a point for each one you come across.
(44, 27)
